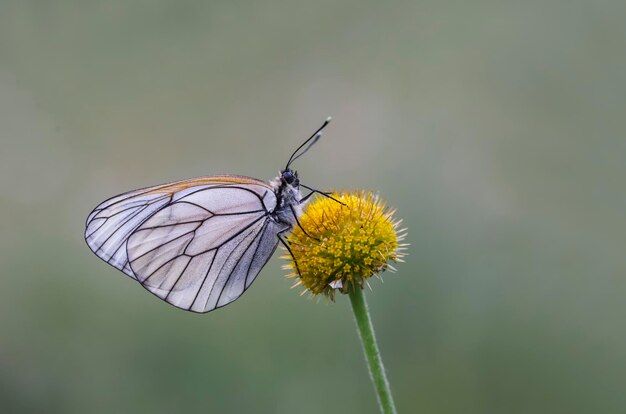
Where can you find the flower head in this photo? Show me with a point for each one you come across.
(339, 245)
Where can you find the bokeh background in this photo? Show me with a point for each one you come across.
(497, 129)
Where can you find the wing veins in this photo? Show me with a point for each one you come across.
(223, 186)
(125, 242)
(161, 266)
(230, 238)
(99, 227)
(245, 282)
(121, 226)
(97, 216)
(130, 196)
(241, 213)
(203, 280)
(168, 242)
(184, 250)
(181, 201)
(236, 264)
(179, 277)
(225, 261)
(176, 256)
(161, 226)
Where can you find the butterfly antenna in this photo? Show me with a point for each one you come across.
(308, 143)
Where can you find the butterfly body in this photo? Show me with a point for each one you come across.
(288, 197)
(197, 244)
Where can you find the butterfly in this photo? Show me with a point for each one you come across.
(198, 244)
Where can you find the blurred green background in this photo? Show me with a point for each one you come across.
(497, 129)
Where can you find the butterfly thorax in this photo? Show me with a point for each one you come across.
(288, 197)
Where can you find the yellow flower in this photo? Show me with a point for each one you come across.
(343, 245)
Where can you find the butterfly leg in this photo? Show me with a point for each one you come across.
(300, 225)
(314, 191)
(286, 244)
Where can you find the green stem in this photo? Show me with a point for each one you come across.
(372, 354)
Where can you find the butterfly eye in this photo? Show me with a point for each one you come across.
(289, 177)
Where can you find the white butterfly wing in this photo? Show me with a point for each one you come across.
(197, 244)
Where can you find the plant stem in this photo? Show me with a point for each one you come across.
(372, 354)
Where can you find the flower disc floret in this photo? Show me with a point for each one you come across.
(346, 240)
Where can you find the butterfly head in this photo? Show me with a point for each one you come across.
(290, 178)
